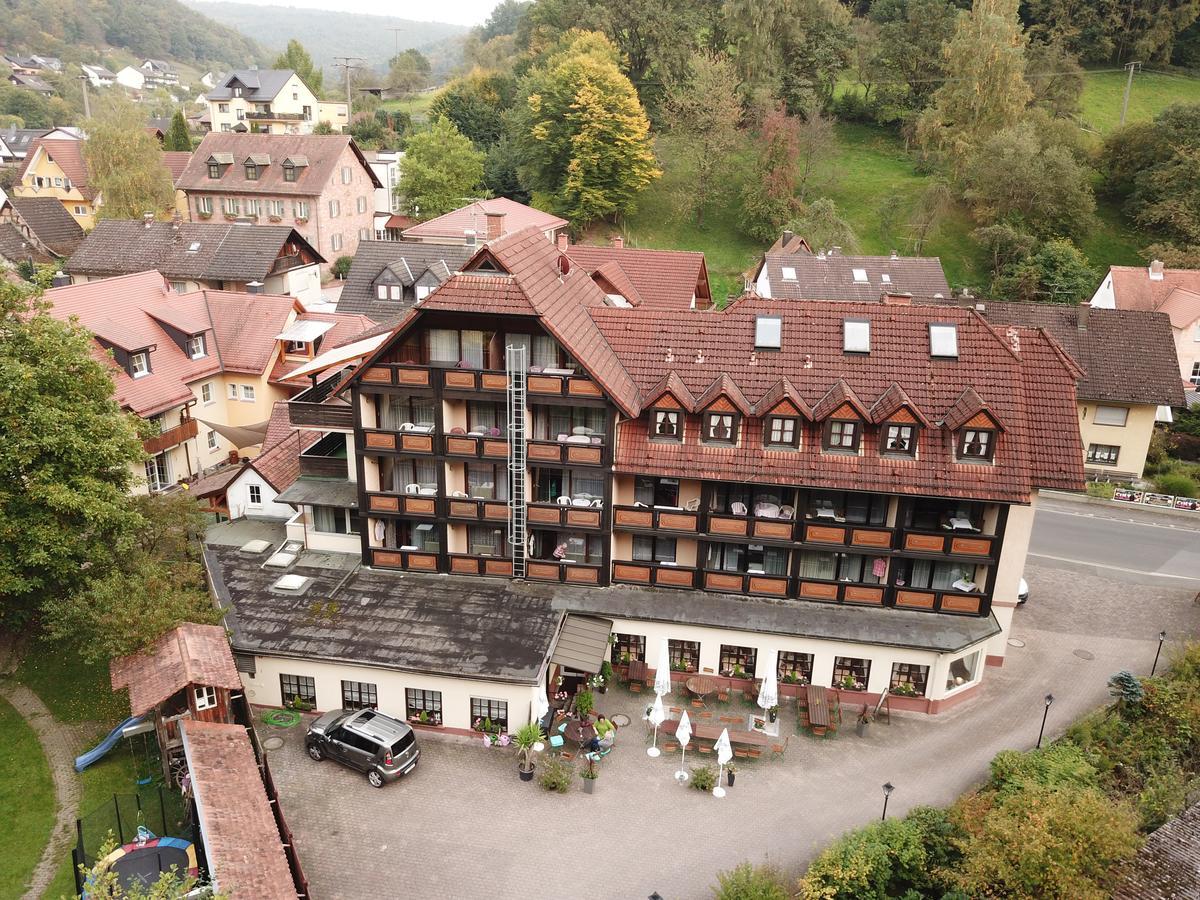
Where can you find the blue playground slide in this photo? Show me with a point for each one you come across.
(97, 752)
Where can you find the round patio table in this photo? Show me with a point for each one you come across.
(700, 685)
(578, 732)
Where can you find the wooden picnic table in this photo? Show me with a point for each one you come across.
(819, 715)
(700, 685)
(712, 732)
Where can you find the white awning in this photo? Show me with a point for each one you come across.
(339, 356)
(583, 643)
(304, 330)
(239, 435)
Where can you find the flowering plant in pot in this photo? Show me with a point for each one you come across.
(527, 738)
(849, 683)
(589, 774)
(585, 702)
(795, 678)
(904, 689)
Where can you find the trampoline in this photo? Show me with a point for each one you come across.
(143, 861)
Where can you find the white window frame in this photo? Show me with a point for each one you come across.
(301, 209)
(254, 494)
(206, 393)
(214, 441)
(856, 335)
(197, 346)
(233, 392)
(205, 697)
(204, 205)
(248, 393)
(142, 370)
(1116, 416)
(943, 340)
(788, 272)
(335, 209)
(347, 175)
(768, 332)
(671, 417)
(335, 241)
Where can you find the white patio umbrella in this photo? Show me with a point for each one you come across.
(768, 694)
(724, 755)
(662, 675)
(657, 716)
(683, 734)
(541, 706)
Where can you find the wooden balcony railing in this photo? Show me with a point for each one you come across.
(324, 466)
(569, 572)
(746, 583)
(841, 592)
(405, 560)
(661, 574)
(419, 443)
(402, 504)
(398, 375)
(562, 385)
(951, 543)
(473, 381)
(465, 445)
(565, 453)
(467, 564)
(773, 529)
(171, 437)
(554, 514)
(310, 408)
(827, 531)
(941, 601)
(472, 509)
(655, 518)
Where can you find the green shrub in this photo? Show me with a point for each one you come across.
(1163, 798)
(556, 775)
(1176, 483)
(341, 266)
(1102, 489)
(1060, 764)
(747, 882)
(704, 778)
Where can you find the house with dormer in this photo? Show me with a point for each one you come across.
(56, 168)
(270, 101)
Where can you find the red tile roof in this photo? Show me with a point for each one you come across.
(176, 161)
(241, 840)
(667, 278)
(68, 155)
(279, 461)
(190, 654)
(1134, 289)
(473, 217)
(322, 153)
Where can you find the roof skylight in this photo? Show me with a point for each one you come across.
(789, 273)
(768, 332)
(943, 340)
(860, 276)
(856, 336)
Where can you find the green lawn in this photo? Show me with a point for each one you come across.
(27, 798)
(1151, 94)
(417, 106)
(74, 691)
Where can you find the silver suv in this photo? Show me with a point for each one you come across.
(366, 740)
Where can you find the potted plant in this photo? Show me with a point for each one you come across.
(585, 702)
(848, 683)
(526, 738)
(904, 689)
(730, 772)
(589, 774)
(864, 722)
(704, 778)
(606, 675)
(773, 713)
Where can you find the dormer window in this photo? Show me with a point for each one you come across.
(289, 172)
(782, 431)
(214, 170)
(237, 91)
(898, 440)
(976, 444)
(251, 171)
(667, 425)
(389, 292)
(842, 435)
(296, 348)
(139, 364)
(196, 347)
(720, 428)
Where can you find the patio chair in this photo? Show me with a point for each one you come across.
(778, 750)
(754, 753)
(692, 505)
(737, 508)
(670, 746)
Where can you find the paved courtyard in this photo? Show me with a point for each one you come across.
(463, 826)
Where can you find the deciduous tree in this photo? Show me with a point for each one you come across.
(296, 58)
(125, 164)
(911, 34)
(408, 71)
(440, 170)
(476, 104)
(1055, 272)
(824, 228)
(769, 195)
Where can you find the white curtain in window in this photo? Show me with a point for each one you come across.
(519, 340)
(814, 564)
(325, 518)
(443, 345)
(587, 485)
(775, 561)
(545, 351)
(472, 348)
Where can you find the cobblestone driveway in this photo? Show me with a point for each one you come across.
(463, 826)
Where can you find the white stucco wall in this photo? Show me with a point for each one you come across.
(238, 496)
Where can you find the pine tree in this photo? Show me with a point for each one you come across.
(178, 137)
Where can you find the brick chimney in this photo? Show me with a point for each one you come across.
(896, 298)
(1081, 317)
(563, 241)
(254, 287)
(618, 242)
(1156, 270)
(495, 225)
(60, 280)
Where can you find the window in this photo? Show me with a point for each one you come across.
(205, 697)
(381, 292)
(860, 276)
(58, 182)
(794, 668)
(335, 209)
(1103, 454)
(1195, 379)
(768, 332)
(213, 440)
(233, 392)
(361, 204)
(739, 660)
(398, 410)
(247, 392)
(653, 549)
(231, 206)
(289, 171)
(909, 679)
(754, 559)
(943, 340)
(301, 209)
(782, 431)
(79, 210)
(851, 673)
(841, 435)
(179, 287)
(223, 107)
(666, 425)
(335, 242)
(484, 540)
(417, 701)
(251, 172)
(158, 472)
(654, 491)
(364, 234)
(925, 574)
(359, 695)
(789, 273)
(899, 440)
(685, 655)
(335, 520)
(276, 208)
(139, 364)
(346, 175)
(487, 481)
(489, 712)
(856, 336)
(487, 418)
(237, 92)
(204, 205)
(206, 393)
(214, 170)
(720, 428)
(929, 514)
(757, 500)
(1111, 415)
(856, 568)
(196, 347)
(226, 127)
(852, 507)
(570, 547)
(963, 671)
(254, 208)
(411, 476)
(255, 491)
(297, 687)
(628, 647)
(576, 484)
(558, 423)
(976, 444)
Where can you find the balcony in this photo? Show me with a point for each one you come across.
(829, 531)
(402, 504)
(171, 437)
(568, 572)
(326, 458)
(474, 446)
(269, 116)
(287, 263)
(961, 602)
(657, 518)
(564, 515)
(312, 408)
(398, 375)
(841, 592)
(404, 560)
(763, 528)
(418, 443)
(656, 573)
(467, 564)
(758, 583)
(473, 509)
(474, 381)
(556, 384)
(584, 452)
(963, 543)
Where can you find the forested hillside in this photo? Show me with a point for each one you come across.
(163, 29)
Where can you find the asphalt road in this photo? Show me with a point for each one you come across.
(1133, 546)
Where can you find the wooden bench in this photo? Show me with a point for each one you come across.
(638, 674)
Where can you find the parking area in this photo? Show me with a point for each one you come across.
(464, 826)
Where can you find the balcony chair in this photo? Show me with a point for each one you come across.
(458, 429)
(786, 512)
(564, 500)
(407, 426)
(737, 509)
(412, 489)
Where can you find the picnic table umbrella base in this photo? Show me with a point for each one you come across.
(653, 751)
(718, 792)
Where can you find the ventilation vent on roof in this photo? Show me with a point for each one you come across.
(885, 278)
(256, 547)
(943, 340)
(789, 273)
(860, 276)
(290, 583)
(768, 332)
(856, 336)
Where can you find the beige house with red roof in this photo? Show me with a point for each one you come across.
(485, 220)
(56, 168)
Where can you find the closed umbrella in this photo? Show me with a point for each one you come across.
(768, 694)
(541, 706)
(724, 755)
(657, 717)
(662, 675)
(683, 734)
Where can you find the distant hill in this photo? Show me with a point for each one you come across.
(160, 29)
(327, 34)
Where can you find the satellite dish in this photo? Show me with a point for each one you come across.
(564, 265)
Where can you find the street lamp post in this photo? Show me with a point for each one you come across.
(888, 787)
(1162, 636)
(1045, 712)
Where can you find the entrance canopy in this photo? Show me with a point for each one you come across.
(582, 643)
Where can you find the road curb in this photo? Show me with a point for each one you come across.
(1118, 506)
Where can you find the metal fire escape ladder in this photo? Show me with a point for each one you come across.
(515, 364)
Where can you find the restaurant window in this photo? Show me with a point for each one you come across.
(359, 695)
(851, 673)
(963, 671)
(794, 668)
(417, 701)
(1103, 454)
(555, 484)
(487, 418)
(720, 428)
(297, 687)
(485, 712)
(841, 435)
(569, 423)
(627, 647)
(929, 514)
(976, 444)
(783, 431)
(753, 559)
(685, 655)
(821, 565)
(900, 440)
(653, 549)
(848, 506)
(752, 500)
(487, 481)
(652, 491)
(740, 660)
(398, 411)
(485, 540)
(408, 476)
(909, 679)
(667, 425)
(927, 574)
(335, 520)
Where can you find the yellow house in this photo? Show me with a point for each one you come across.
(56, 168)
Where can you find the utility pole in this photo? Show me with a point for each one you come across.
(397, 31)
(1132, 67)
(348, 64)
(87, 106)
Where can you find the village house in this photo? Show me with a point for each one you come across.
(132, 78)
(844, 491)
(98, 76)
(159, 73)
(40, 223)
(272, 101)
(485, 220)
(320, 184)
(16, 142)
(55, 167)
(388, 277)
(31, 83)
(202, 255)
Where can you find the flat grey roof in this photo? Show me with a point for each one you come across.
(321, 492)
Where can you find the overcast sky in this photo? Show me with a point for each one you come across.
(460, 12)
